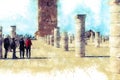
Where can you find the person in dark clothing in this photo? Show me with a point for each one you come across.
(6, 46)
(21, 47)
(13, 46)
(28, 44)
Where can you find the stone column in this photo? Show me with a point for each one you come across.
(1, 42)
(115, 36)
(48, 39)
(73, 37)
(52, 40)
(91, 37)
(70, 38)
(13, 31)
(56, 37)
(80, 35)
(97, 39)
(86, 41)
(45, 38)
(64, 38)
(101, 39)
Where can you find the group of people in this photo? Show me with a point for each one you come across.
(23, 45)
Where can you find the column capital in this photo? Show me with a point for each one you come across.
(80, 16)
(114, 2)
(13, 26)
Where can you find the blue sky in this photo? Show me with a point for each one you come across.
(97, 11)
(23, 14)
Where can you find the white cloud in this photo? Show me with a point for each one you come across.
(12, 7)
(68, 6)
(94, 9)
(94, 5)
(20, 13)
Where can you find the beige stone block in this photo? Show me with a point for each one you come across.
(79, 44)
(115, 30)
(80, 48)
(114, 42)
(115, 16)
(80, 52)
(114, 2)
(115, 8)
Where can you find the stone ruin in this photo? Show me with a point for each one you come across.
(64, 39)
(1, 42)
(56, 37)
(47, 17)
(13, 31)
(48, 21)
(115, 36)
(80, 35)
(52, 40)
(97, 39)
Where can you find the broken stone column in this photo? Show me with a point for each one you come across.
(101, 39)
(56, 37)
(80, 35)
(64, 38)
(91, 37)
(115, 36)
(86, 41)
(97, 39)
(73, 37)
(1, 42)
(52, 40)
(13, 31)
(70, 38)
(45, 38)
(48, 39)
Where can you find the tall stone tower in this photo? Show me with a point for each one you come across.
(47, 17)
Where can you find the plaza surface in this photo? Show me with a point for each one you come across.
(50, 63)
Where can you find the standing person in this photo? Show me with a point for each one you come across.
(28, 44)
(13, 46)
(21, 47)
(6, 46)
(10, 39)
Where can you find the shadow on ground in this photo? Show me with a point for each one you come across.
(26, 58)
(96, 57)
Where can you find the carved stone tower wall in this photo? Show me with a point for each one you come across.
(47, 17)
